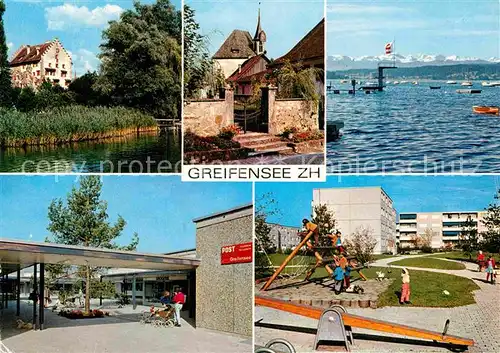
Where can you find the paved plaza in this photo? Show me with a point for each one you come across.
(116, 334)
(480, 321)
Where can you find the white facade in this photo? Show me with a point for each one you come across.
(445, 226)
(284, 237)
(365, 207)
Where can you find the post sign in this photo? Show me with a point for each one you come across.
(236, 254)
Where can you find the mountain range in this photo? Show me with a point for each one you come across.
(342, 62)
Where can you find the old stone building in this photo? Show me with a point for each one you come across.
(31, 65)
(238, 48)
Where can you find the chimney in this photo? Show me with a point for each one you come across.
(27, 49)
(239, 68)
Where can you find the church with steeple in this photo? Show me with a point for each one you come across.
(239, 47)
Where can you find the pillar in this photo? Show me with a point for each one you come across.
(267, 108)
(18, 292)
(143, 291)
(41, 308)
(134, 303)
(100, 297)
(35, 296)
(229, 99)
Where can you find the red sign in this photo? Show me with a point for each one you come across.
(236, 254)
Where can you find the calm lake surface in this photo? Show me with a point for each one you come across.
(144, 153)
(413, 129)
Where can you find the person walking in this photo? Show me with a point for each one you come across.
(480, 260)
(490, 270)
(405, 287)
(179, 300)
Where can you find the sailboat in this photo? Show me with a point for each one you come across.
(466, 84)
(451, 82)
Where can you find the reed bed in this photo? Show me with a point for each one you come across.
(70, 124)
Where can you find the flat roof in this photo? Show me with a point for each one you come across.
(218, 214)
(14, 254)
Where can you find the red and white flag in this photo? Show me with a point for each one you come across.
(388, 48)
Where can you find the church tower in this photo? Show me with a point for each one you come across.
(259, 39)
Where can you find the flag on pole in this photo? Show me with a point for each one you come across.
(388, 48)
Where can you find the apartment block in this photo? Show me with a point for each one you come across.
(445, 226)
(284, 237)
(362, 207)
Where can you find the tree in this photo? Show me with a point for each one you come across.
(141, 59)
(200, 71)
(5, 78)
(265, 207)
(325, 219)
(83, 221)
(491, 238)
(361, 244)
(84, 90)
(297, 82)
(426, 240)
(468, 238)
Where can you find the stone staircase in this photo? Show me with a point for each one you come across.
(263, 144)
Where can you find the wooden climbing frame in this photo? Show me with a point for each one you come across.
(319, 253)
(365, 323)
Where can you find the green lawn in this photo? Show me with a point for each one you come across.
(429, 262)
(427, 289)
(458, 255)
(383, 256)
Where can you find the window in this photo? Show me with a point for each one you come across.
(63, 73)
(63, 66)
(38, 72)
(50, 64)
(57, 65)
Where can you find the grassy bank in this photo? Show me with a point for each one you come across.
(458, 255)
(429, 262)
(70, 124)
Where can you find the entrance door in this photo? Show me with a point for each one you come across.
(248, 116)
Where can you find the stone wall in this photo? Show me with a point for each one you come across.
(207, 116)
(224, 300)
(287, 113)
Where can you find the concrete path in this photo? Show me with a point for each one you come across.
(119, 334)
(480, 321)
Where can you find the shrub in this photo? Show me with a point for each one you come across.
(361, 244)
(193, 143)
(229, 132)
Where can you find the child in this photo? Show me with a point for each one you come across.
(490, 270)
(347, 275)
(338, 275)
(405, 288)
(311, 227)
(338, 244)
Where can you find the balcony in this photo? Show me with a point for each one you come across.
(407, 216)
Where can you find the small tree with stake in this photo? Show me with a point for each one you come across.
(468, 239)
(325, 219)
(83, 221)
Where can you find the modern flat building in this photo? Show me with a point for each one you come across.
(284, 237)
(444, 226)
(362, 207)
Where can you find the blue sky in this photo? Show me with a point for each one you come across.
(409, 193)
(284, 21)
(159, 208)
(77, 23)
(447, 27)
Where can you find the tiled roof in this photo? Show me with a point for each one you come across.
(246, 67)
(311, 47)
(237, 46)
(29, 54)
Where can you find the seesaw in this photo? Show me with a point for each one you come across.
(335, 325)
(320, 261)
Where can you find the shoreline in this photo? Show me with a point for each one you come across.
(74, 138)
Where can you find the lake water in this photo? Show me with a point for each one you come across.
(145, 153)
(413, 129)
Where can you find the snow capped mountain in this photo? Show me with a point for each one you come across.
(342, 62)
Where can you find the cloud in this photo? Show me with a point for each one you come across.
(68, 16)
(465, 33)
(84, 60)
(361, 25)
